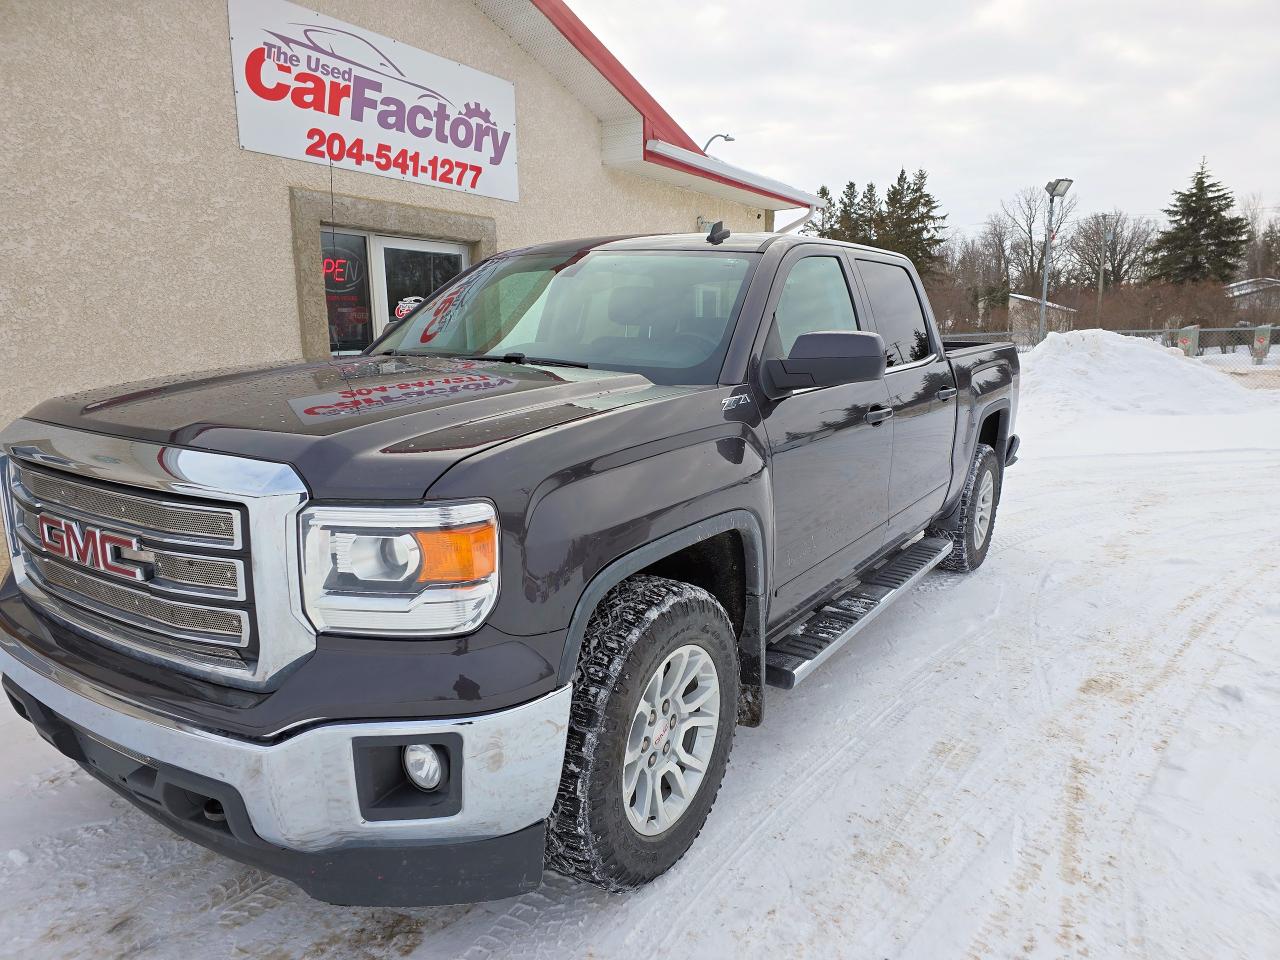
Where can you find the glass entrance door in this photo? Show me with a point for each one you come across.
(406, 272)
(372, 280)
(346, 290)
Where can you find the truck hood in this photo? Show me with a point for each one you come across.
(380, 428)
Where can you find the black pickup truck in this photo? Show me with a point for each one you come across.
(409, 627)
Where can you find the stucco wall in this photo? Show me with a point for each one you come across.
(139, 239)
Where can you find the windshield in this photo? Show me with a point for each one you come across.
(667, 315)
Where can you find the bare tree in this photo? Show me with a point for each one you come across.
(970, 290)
(1116, 240)
(994, 243)
(1262, 253)
(1026, 217)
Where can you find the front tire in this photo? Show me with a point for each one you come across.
(652, 723)
(970, 531)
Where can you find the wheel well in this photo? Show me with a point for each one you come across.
(718, 566)
(992, 432)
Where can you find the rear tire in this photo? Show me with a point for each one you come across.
(974, 521)
(647, 635)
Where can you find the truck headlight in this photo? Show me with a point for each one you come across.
(400, 571)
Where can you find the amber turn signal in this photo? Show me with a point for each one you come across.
(457, 554)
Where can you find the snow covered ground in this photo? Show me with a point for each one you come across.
(1239, 357)
(1240, 365)
(1072, 752)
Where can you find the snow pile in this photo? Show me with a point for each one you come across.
(1092, 372)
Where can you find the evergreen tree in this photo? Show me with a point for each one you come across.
(823, 221)
(1270, 265)
(869, 222)
(905, 221)
(848, 214)
(911, 224)
(1203, 241)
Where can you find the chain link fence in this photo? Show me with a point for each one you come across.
(1249, 355)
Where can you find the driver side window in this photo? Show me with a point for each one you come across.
(815, 297)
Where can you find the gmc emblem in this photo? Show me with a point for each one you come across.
(89, 547)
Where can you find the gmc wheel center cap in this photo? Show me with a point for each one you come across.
(661, 735)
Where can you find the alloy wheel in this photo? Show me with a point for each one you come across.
(671, 739)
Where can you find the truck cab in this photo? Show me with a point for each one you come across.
(410, 627)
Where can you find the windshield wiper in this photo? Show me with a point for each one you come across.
(420, 353)
(541, 361)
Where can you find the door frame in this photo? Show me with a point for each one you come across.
(810, 582)
(378, 244)
(310, 210)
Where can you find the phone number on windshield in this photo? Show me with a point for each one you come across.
(336, 147)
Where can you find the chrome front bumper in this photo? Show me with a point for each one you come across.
(301, 793)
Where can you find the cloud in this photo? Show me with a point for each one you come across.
(1123, 97)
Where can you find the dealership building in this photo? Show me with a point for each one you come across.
(224, 182)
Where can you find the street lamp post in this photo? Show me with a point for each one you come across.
(1055, 189)
(1107, 236)
(719, 136)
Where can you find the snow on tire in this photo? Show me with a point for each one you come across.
(974, 523)
(654, 704)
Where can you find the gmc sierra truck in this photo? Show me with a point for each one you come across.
(412, 626)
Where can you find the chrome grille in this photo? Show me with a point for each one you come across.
(134, 605)
(130, 512)
(220, 574)
(216, 578)
(173, 603)
(214, 536)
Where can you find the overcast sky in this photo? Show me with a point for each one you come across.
(1123, 97)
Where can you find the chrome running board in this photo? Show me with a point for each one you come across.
(800, 651)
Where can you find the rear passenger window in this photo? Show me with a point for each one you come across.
(814, 298)
(896, 309)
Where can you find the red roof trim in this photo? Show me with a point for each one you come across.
(658, 124)
(651, 157)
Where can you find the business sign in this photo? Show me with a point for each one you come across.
(312, 88)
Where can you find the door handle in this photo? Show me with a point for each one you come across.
(878, 415)
(946, 393)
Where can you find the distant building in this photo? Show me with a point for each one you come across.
(1024, 315)
(1253, 289)
(1255, 301)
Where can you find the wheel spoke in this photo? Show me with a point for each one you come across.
(671, 680)
(660, 813)
(690, 761)
(678, 785)
(652, 692)
(692, 668)
(644, 795)
(700, 696)
(630, 777)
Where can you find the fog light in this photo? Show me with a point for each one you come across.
(423, 766)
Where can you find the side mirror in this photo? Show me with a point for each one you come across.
(825, 359)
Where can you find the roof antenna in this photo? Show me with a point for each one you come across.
(719, 234)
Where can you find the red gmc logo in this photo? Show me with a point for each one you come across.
(89, 547)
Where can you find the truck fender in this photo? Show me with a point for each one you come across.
(949, 516)
(751, 642)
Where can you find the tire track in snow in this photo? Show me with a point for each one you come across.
(708, 868)
(1107, 704)
(712, 857)
(838, 761)
(1039, 848)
